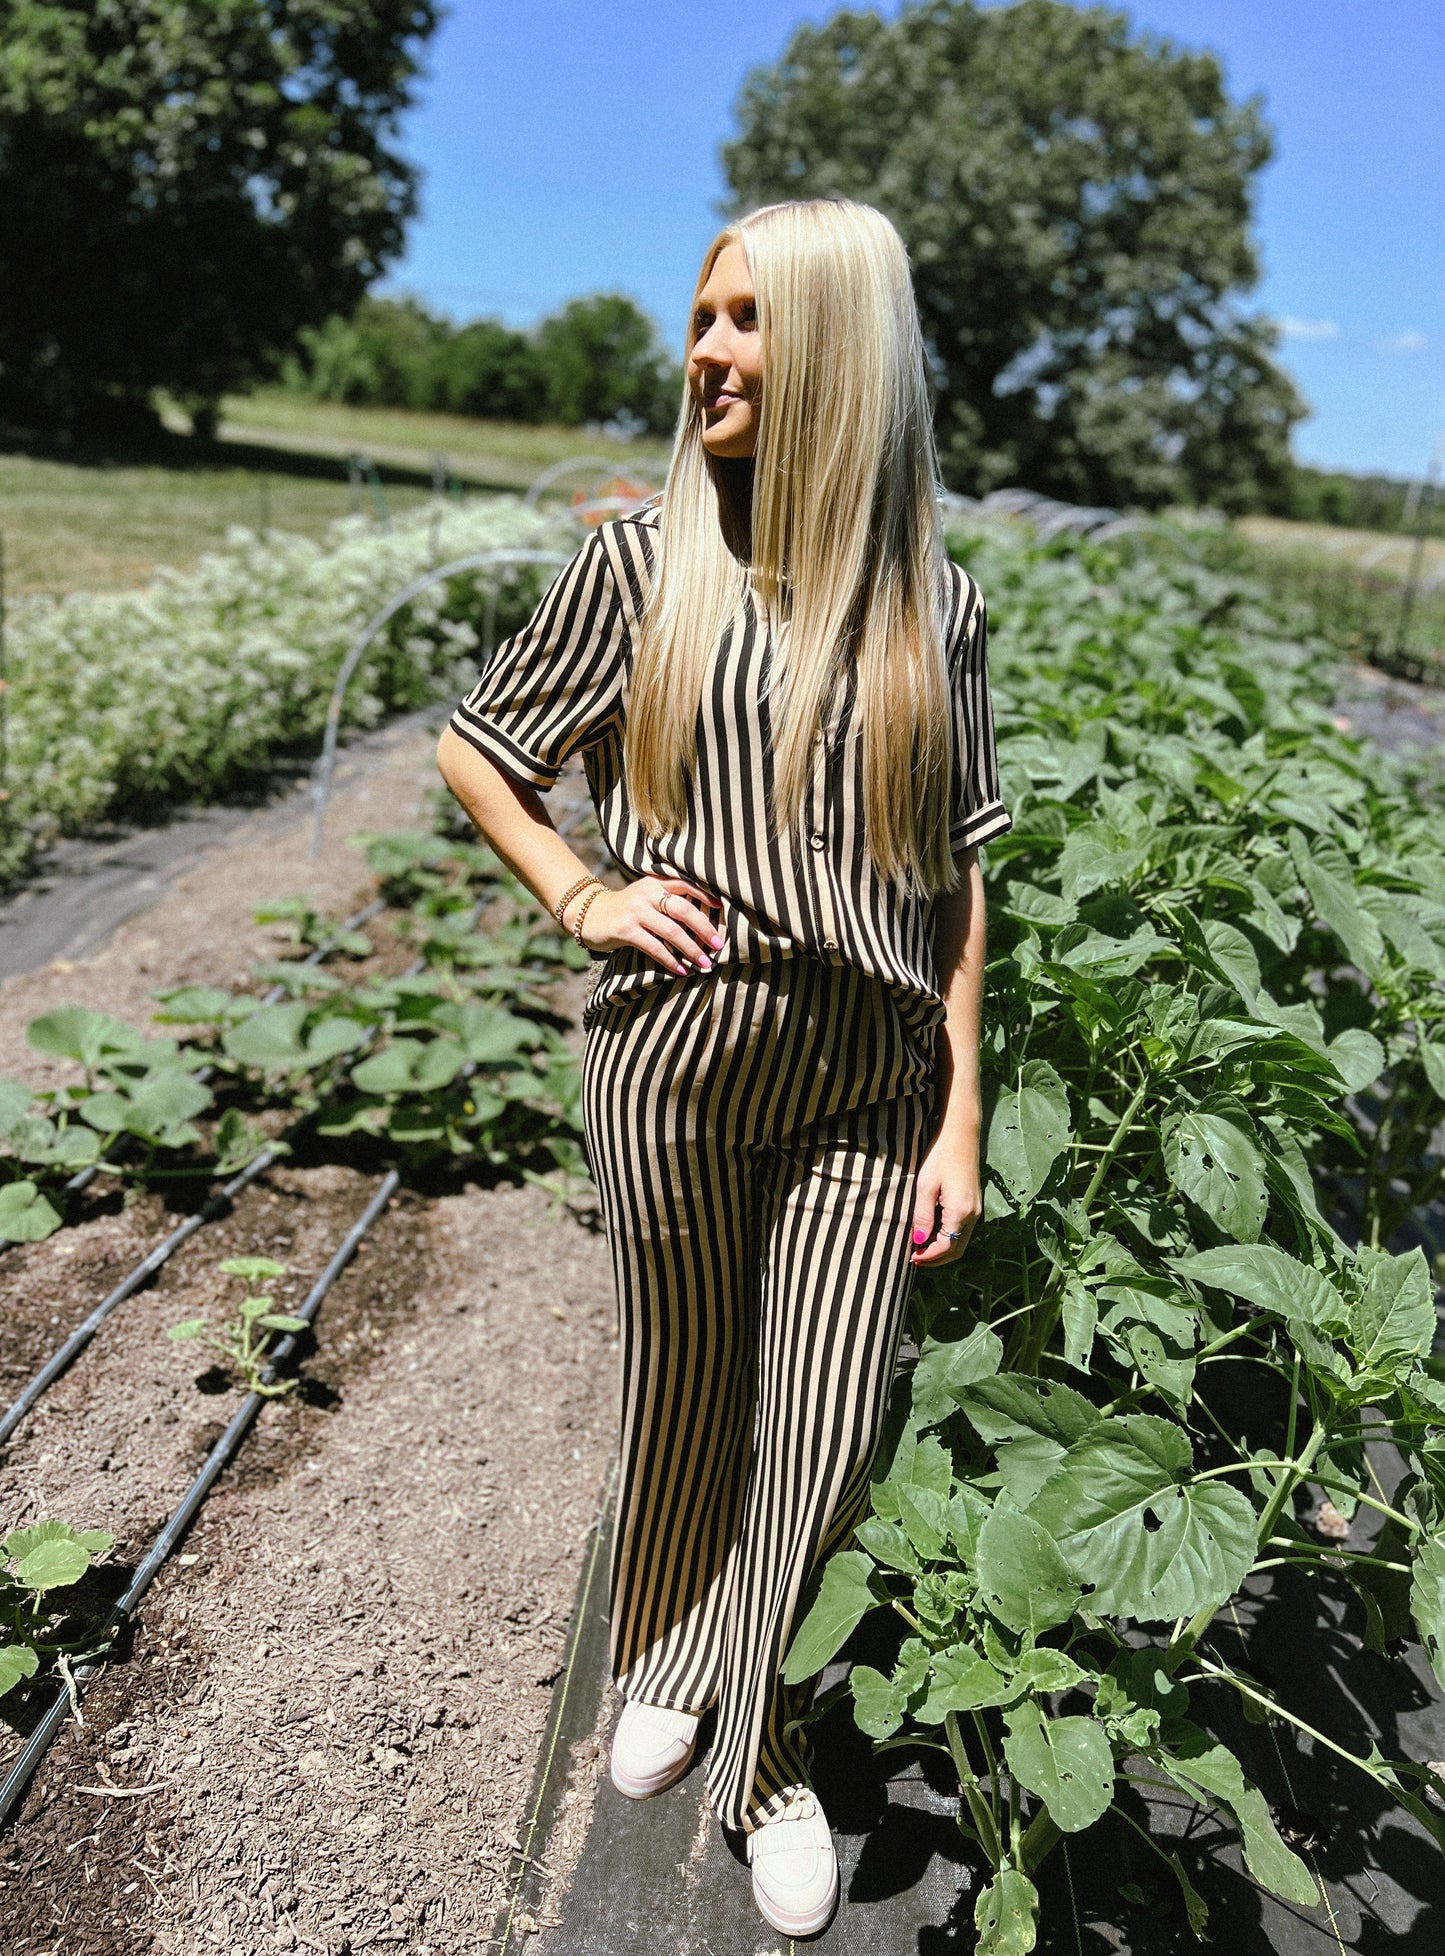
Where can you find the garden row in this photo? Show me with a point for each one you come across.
(120, 704)
(1215, 1052)
(429, 1038)
(1215, 1059)
(460, 1055)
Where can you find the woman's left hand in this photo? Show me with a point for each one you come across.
(947, 1202)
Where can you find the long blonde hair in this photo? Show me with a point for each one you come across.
(846, 546)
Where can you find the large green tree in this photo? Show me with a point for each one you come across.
(184, 184)
(1077, 202)
(603, 360)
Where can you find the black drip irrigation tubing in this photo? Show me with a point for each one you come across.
(12, 1790)
(215, 1205)
(128, 1285)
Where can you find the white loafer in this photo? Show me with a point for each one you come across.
(651, 1748)
(795, 1867)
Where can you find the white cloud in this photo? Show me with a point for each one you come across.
(1409, 342)
(1308, 329)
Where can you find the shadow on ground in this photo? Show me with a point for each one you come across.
(663, 1877)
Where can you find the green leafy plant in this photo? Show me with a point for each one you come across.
(133, 700)
(311, 928)
(243, 1342)
(132, 1113)
(464, 1057)
(1213, 1058)
(39, 1568)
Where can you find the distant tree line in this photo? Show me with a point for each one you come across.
(597, 359)
(1359, 502)
(198, 198)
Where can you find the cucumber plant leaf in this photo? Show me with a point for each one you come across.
(1394, 1320)
(1271, 1279)
(1022, 1573)
(1029, 1130)
(17, 1662)
(1427, 1602)
(26, 1215)
(1202, 1768)
(1211, 1160)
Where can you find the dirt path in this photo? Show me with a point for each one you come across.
(324, 1732)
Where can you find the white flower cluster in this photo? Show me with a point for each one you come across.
(121, 703)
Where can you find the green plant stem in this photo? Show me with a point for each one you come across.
(1244, 1467)
(1381, 1508)
(978, 1807)
(1293, 1472)
(1207, 1352)
(1304, 1561)
(1334, 1555)
(1039, 1840)
(1115, 1142)
(1290, 1430)
(1045, 1320)
(990, 1760)
(1219, 1674)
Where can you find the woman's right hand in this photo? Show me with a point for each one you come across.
(677, 937)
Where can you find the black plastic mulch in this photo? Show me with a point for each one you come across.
(661, 1877)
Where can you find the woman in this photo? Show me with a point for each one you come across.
(776, 679)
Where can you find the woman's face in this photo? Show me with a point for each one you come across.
(725, 366)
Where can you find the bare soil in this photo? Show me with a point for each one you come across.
(322, 1734)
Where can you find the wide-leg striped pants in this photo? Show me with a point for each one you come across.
(754, 1134)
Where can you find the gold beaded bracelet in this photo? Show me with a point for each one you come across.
(586, 905)
(559, 908)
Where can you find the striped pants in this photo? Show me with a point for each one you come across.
(754, 1134)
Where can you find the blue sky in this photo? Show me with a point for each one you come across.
(571, 146)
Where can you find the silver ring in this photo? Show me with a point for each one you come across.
(663, 900)
(950, 1234)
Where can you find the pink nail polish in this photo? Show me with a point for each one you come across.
(920, 1235)
(704, 964)
(718, 943)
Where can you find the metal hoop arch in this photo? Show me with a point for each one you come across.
(596, 464)
(478, 560)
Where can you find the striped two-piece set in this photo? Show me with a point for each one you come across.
(754, 1133)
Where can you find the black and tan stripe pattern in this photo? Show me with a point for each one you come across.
(754, 1139)
(755, 1136)
(560, 685)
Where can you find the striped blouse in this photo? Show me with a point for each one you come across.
(560, 685)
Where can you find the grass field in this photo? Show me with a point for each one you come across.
(495, 454)
(1359, 550)
(97, 526)
(72, 521)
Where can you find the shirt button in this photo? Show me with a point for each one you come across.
(830, 944)
(816, 839)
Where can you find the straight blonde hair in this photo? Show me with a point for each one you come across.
(846, 548)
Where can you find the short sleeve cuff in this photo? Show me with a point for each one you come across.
(980, 825)
(488, 739)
